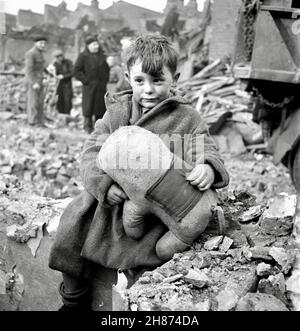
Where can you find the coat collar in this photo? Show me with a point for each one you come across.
(119, 106)
(124, 100)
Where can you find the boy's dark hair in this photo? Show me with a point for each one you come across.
(154, 52)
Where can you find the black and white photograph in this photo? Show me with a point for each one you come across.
(149, 159)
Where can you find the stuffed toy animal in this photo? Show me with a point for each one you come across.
(154, 180)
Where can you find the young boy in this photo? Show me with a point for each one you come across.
(91, 229)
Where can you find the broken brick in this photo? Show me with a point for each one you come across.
(243, 281)
(274, 285)
(263, 270)
(226, 244)
(197, 278)
(253, 213)
(260, 302)
(285, 258)
(213, 243)
(278, 218)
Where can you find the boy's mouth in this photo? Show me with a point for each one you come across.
(149, 100)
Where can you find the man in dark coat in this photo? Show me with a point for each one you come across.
(64, 73)
(92, 70)
(34, 71)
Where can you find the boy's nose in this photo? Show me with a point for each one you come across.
(148, 88)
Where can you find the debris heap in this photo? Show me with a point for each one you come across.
(246, 268)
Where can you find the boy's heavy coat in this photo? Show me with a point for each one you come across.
(92, 230)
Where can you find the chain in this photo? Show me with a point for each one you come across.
(249, 15)
(285, 101)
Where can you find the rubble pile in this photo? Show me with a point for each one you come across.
(227, 108)
(259, 175)
(48, 162)
(26, 222)
(214, 91)
(45, 163)
(13, 100)
(244, 269)
(12, 93)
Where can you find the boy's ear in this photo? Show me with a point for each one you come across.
(127, 77)
(175, 79)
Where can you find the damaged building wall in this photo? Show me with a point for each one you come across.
(134, 16)
(113, 18)
(54, 14)
(21, 29)
(13, 49)
(27, 19)
(10, 21)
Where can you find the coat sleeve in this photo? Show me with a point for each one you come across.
(95, 181)
(202, 149)
(70, 71)
(79, 70)
(105, 71)
(29, 68)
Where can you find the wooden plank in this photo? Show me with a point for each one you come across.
(12, 73)
(280, 9)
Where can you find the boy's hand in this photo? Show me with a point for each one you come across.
(36, 86)
(202, 176)
(115, 195)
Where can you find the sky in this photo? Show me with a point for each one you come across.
(12, 6)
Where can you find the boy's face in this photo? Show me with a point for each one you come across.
(149, 90)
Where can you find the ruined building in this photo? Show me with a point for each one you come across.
(189, 15)
(66, 29)
(118, 15)
(188, 10)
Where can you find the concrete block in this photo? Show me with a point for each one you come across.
(197, 278)
(274, 285)
(213, 243)
(263, 270)
(285, 258)
(226, 244)
(278, 218)
(238, 285)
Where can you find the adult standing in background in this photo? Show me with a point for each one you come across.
(64, 73)
(34, 73)
(92, 70)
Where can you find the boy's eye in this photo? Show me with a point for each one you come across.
(157, 80)
(138, 80)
